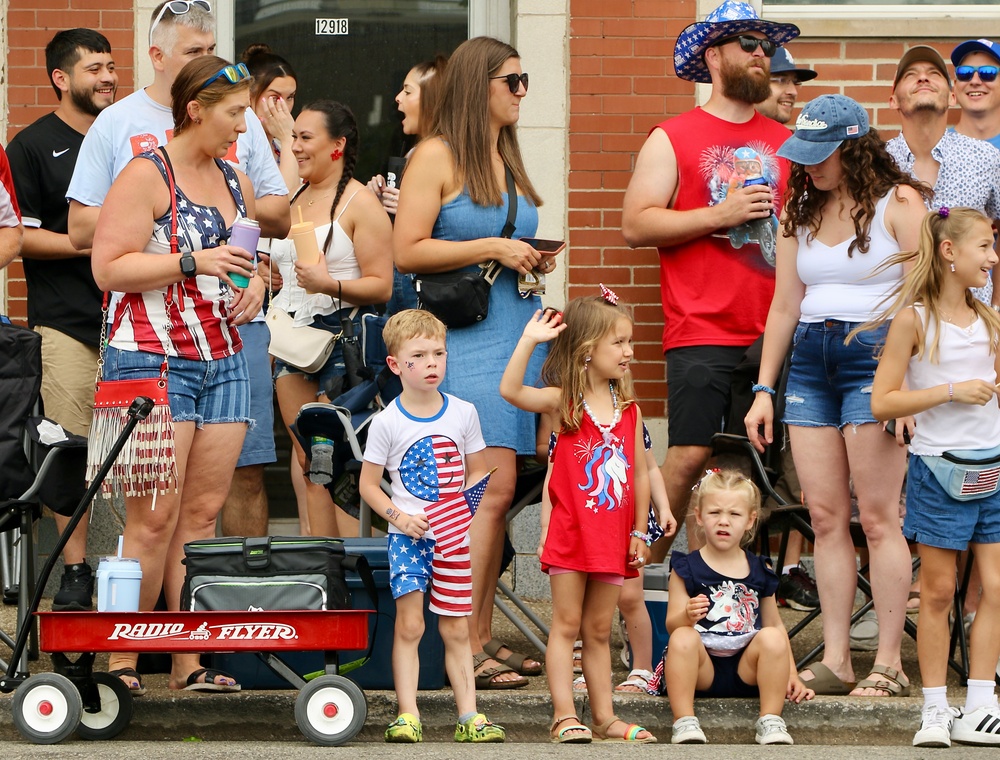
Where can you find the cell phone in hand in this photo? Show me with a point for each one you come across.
(545, 246)
(890, 428)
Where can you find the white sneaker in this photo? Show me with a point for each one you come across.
(981, 726)
(771, 730)
(687, 730)
(935, 727)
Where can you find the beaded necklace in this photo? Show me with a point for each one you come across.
(605, 430)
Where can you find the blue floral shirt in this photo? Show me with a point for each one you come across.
(969, 176)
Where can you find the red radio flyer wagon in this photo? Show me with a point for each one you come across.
(48, 707)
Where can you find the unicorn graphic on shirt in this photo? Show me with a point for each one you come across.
(606, 470)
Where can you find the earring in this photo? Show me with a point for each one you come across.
(336, 155)
(586, 363)
(953, 266)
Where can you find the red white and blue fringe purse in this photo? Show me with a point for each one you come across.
(147, 464)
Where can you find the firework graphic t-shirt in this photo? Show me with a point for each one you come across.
(716, 289)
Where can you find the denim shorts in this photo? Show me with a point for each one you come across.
(258, 446)
(217, 390)
(830, 384)
(334, 366)
(935, 519)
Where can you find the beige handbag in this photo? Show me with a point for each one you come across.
(307, 348)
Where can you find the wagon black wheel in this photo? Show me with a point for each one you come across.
(47, 708)
(115, 711)
(330, 710)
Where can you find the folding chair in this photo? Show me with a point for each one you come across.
(528, 490)
(32, 472)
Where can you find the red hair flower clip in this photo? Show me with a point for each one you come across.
(609, 295)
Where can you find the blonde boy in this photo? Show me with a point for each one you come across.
(432, 444)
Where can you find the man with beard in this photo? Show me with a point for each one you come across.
(977, 90)
(64, 303)
(962, 170)
(785, 81)
(705, 192)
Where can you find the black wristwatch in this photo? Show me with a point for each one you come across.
(188, 265)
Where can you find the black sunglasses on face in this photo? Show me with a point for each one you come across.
(749, 44)
(514, 81)
(986, 73)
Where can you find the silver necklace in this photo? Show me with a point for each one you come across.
(605, 430)
(968, 329)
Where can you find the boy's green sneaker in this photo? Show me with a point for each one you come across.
(479, 729)
(406, 729)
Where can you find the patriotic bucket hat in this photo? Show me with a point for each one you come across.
(728, 20)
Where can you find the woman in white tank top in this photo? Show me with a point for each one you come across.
(353, 274)
(847, 208)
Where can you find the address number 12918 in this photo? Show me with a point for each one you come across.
(331, 26)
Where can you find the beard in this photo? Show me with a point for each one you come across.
(740, 85)
(84, 100)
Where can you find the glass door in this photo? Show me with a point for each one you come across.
(356, 52)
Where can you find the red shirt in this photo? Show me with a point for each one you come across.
(593, 499)
(716, 290)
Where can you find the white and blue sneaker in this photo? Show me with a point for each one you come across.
(771, 729)
(687, 730)
(935, 727)
(981, 726)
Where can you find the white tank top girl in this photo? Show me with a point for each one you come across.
(963, 354)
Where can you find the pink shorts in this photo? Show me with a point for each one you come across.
(610, 578)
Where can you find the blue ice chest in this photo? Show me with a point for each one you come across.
(251, 673)
(377, 674)
(655, 582)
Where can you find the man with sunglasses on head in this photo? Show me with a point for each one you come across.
(977, 91)
(180, 31)
(962, 170)
(706, 189)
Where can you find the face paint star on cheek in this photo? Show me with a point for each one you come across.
(409, 365)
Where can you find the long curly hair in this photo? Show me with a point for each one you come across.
(587, 320)
(922, 283)
(869, 173)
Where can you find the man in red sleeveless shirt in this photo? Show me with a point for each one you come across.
(706, 193)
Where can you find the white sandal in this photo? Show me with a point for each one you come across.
(637, 677)
(579, 684)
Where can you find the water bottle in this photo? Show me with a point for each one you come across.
(245, 235)
(321, 460)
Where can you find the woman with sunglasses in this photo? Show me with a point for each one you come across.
(353, 274)
(452, 210)
(417, 101)
(847, 209)
(177, 310)
(272, 97)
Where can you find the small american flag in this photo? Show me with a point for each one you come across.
(980, 481)
(450, 518)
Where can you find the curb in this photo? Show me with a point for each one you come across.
(270, 716)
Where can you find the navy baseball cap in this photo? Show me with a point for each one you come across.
(981, 45)
(823, 125)
(783, 63)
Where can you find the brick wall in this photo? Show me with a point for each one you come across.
(622, 83)
(30, 26)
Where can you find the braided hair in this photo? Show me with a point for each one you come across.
(340, 122)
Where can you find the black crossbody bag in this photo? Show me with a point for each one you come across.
(461, 298)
